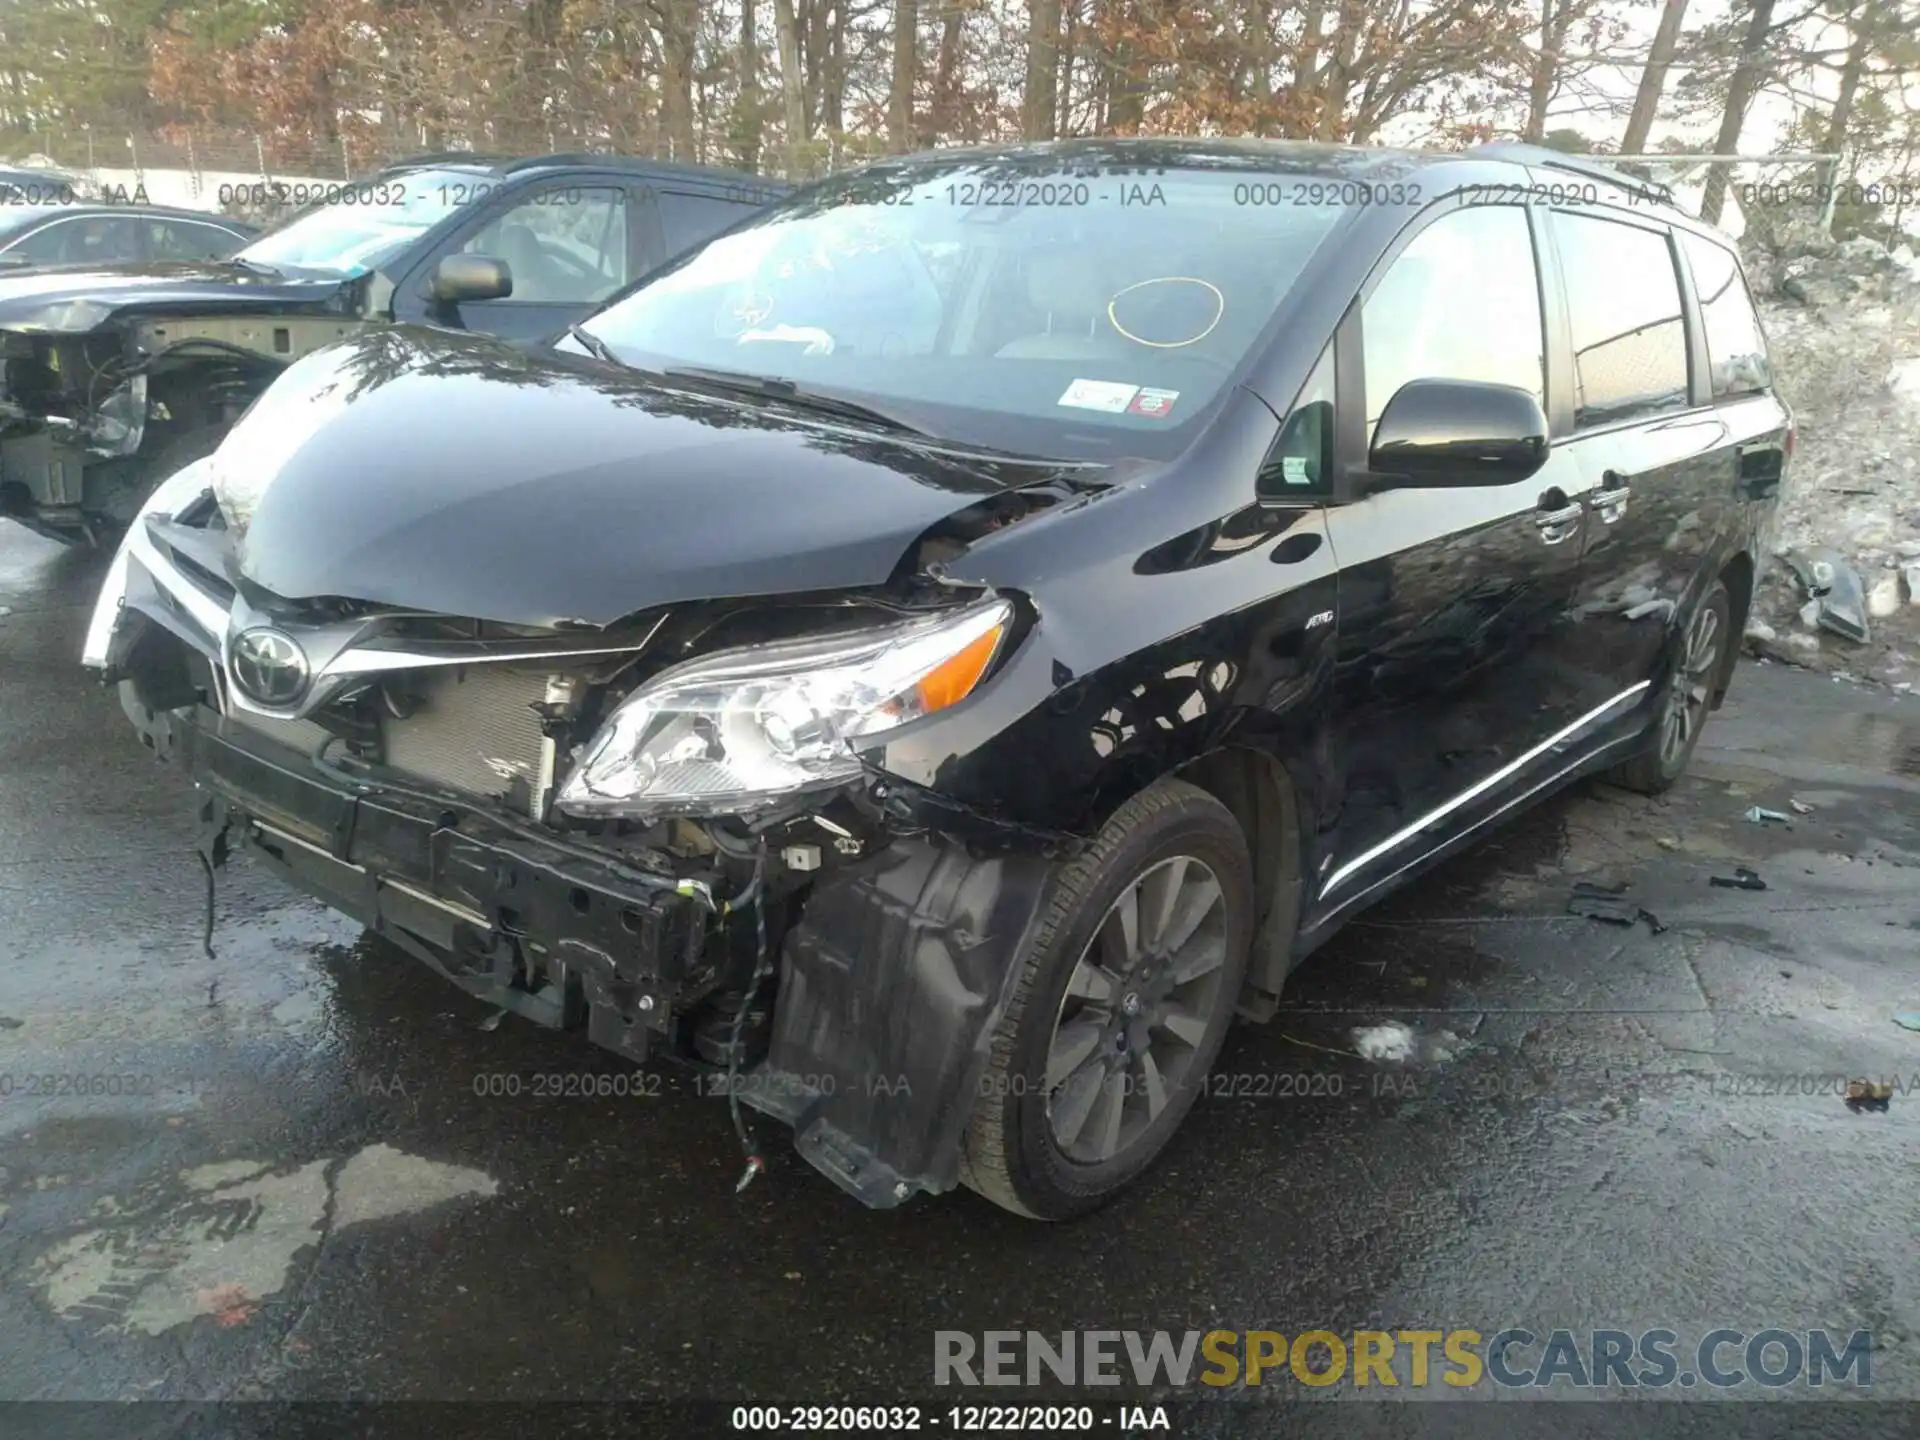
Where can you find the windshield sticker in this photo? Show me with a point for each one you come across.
(1154, 404)
(1106, 395)
(1293, 470)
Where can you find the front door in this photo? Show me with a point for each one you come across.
(1456, 673)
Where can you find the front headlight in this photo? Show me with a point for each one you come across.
(736, 730)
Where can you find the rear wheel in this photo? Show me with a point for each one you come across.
(1700, 654)
(1119, 1009)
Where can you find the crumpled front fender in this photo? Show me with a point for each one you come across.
(891, 987)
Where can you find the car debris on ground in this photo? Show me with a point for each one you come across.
(1609, 903)
(1836, 600)
(1865, 1095)
(1741, 879)
(1759, 815)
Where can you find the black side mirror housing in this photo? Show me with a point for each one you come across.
(457, 279)
(1438, 433)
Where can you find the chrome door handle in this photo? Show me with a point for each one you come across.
(1611, 498)
(1558, 525)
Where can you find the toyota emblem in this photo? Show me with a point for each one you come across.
(269, 666)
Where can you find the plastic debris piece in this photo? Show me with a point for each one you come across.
(1908, 1020)
(1865, 1095)
(1800, 807)
(1609, 903)
(492, 1022)
(1742, 879)
(1603, 902)
(1838, 599)
(1761, 816)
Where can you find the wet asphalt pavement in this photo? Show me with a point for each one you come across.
(315, 1173)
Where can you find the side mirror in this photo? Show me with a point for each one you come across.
(1457, 432)
(457, 279)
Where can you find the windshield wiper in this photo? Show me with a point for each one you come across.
(595, 346)
(774, 388)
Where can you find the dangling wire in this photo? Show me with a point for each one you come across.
(749, 1147)
(206, 933)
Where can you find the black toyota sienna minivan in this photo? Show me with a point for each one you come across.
(937, 653)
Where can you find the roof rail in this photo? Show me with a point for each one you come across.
(1550, 159)
(643, 164)
(447, 157)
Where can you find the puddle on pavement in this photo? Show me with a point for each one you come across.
(219, 1238)
(1885, 744)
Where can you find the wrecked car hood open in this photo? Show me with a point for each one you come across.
(456, 474)
(77, 299)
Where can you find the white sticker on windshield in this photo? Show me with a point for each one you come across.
(1106, 395)
(1293, 469)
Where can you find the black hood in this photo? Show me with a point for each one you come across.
(74, 299)
(453, 473)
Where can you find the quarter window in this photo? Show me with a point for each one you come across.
(1736, 348)
(1623, 308)
(1461, 302)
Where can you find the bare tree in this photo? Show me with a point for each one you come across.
(1653, 78)
(1747, 75)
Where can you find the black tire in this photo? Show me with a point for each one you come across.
(1696, 666)
(1011, 1153)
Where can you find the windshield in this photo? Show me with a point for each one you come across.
(1078, 311)
(366, 224)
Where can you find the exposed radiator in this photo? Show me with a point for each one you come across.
(474, 730)
(470, 729)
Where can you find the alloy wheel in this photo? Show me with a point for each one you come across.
(1136, 1010)
(1691, 686)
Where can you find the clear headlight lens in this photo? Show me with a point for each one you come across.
(738, 729)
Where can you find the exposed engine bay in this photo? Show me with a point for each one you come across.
(90, 421)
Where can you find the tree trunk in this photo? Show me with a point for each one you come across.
(1303, 109)
(1850, 76)
(1740, 92)
(793, 92)
(906, 27)
(1038, 121)
(946, 72)
(677, 21)
(1546, 67)
(1330, 121)
(746, 125)
(1653, 79)
(1063, 98)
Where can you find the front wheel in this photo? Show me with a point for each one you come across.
(1119, 1009)
(1699, 654)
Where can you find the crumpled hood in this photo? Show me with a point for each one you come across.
(456, 474)
(75, 299)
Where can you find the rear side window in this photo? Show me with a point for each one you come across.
(1461, 302)
(686, 220)
(1736, 348)
(1623, 306)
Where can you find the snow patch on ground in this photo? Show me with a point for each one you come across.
(1391, 1041)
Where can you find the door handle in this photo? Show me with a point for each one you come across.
(1559, 524)
(1611, 498)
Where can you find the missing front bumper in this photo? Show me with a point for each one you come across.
(537, 927)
